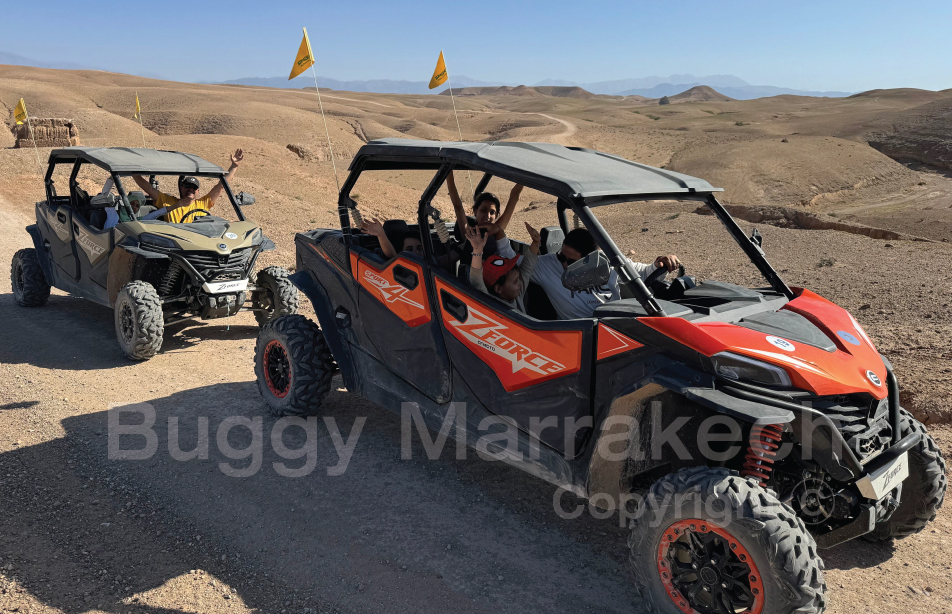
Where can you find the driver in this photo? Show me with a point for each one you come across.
(176, 209)
(571, 305)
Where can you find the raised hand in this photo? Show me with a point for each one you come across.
(237, 157)
(373, 226)
(476, 239)
(491, 228)
(533, 233)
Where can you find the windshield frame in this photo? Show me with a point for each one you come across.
(621, 264)
(219, 176)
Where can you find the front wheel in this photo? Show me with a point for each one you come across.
(293, 366)
(276, 295)
(139, 321)
(30, 288)
(923, 491)
(711, 542)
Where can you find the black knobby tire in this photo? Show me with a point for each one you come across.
(139, 321)
(922, 492)
(277, 296)
(691, 506)
(293, 366)
(30, 287)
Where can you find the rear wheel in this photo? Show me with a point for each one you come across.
(30, 288)
(139, 321)
(276, 296)
(711, 542)
(293, 366)
(923, 491)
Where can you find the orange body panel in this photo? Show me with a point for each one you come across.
(411, 306)
(519, 356)
(843, 371)
(611, 342)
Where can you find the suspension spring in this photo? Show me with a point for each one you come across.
(167, 285)
(762, 451)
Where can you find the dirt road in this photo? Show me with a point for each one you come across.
(570, 129)
(81, 532)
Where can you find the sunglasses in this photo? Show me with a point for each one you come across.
(565, 260)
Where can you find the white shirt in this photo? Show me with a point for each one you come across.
(573, 305)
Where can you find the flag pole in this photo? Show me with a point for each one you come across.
(139, 113)
(455, 114)
(326, 131)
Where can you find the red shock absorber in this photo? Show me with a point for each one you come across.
(764, 443)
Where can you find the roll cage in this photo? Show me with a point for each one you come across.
(573, 191)
(189, 165)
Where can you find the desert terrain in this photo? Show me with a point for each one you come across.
(854, 199)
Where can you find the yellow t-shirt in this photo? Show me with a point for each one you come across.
(174, 217)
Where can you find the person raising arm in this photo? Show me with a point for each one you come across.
(504, 278)
(177, 210)
(486, 212)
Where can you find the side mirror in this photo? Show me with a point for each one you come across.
(244, 199)
(592, 271)
(756, 238)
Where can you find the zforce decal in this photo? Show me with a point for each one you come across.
(411, 306)
(86, 241)
(611, 342)
(519, 356)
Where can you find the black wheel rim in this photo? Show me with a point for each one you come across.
(127, 324)
(707, 571)
(277, 369)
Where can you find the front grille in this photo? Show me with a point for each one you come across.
(203, 261)
(862, 420)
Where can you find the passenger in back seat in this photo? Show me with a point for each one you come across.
(504, 278)
(409, 242)
(486, 211)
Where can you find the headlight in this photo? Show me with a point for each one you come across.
(156, 240)
(256, 237)
(737, 367)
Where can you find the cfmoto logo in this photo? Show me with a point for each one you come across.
(873, 378)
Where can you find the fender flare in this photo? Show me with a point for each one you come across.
(329, 323)
(41, 254)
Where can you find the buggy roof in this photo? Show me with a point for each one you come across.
(572, 172)
(139, 161)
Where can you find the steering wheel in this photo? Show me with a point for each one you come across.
(659, 273)
(192, 212)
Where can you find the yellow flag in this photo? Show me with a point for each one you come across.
(439, 75)
(304, 58)
(138, 110)
(19, 113)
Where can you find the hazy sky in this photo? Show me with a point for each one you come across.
(850, 46)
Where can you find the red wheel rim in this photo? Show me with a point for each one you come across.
(277, 369)
(728, 571)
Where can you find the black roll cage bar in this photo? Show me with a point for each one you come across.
(78, 162)
(579, 205)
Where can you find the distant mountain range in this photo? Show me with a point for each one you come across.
(19, 60)
(649, 87)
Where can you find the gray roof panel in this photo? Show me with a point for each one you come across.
(569, 171)
(141, 161)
